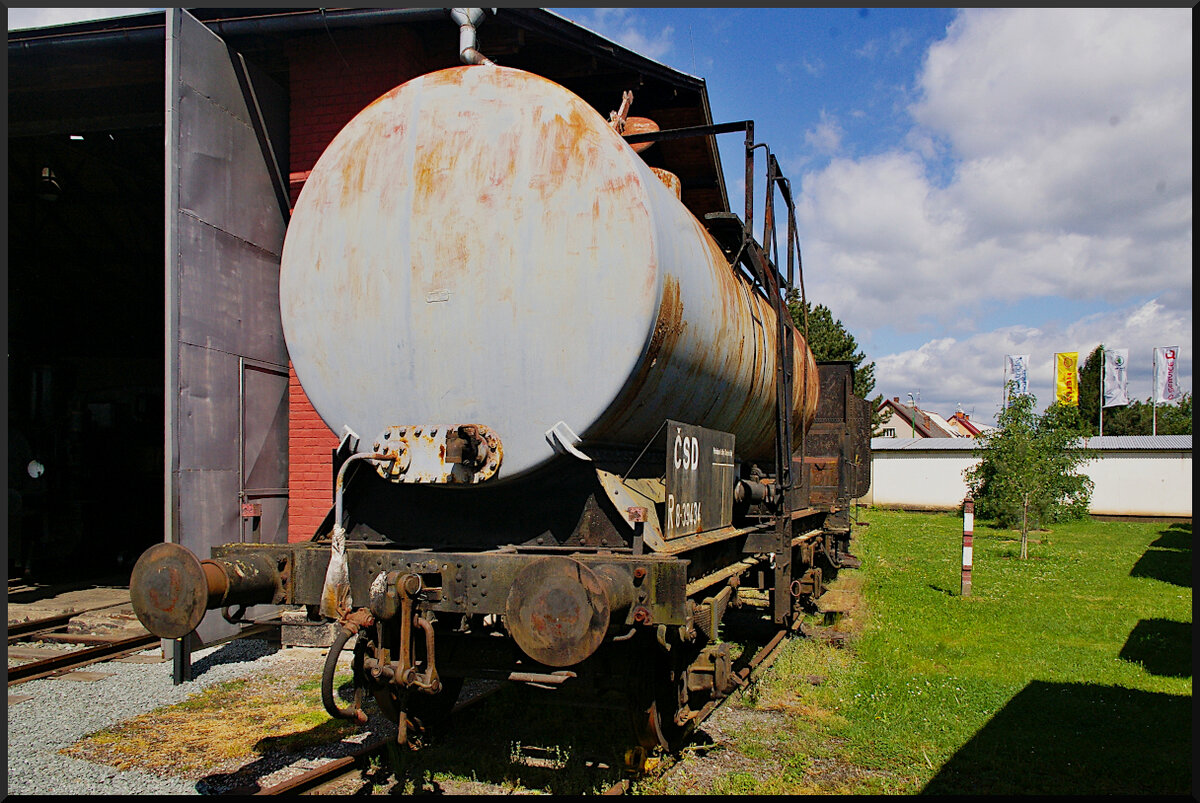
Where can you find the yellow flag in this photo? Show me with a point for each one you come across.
(1066, 377)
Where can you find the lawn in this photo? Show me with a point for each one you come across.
(1065, 673)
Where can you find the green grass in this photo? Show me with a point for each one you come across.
(227, 723)
(1068, 672)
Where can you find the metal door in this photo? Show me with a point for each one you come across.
(264, 417)
(226, 211)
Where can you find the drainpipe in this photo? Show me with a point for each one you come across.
(468, 19)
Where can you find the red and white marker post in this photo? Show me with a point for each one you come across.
(968, 536)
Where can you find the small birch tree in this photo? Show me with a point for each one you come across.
(1027, 471)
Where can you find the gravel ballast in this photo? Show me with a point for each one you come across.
(61, 711)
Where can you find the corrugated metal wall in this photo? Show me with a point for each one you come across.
(1128, 482)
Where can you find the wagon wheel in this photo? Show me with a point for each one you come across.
(656, 705)
(429, 713)
(653, 730)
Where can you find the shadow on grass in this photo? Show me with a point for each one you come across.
(523, 737)
(1173, 539)
(517, 738)
(1169, 557)
(1162, 646)
(1169, 565)
(1071, 738)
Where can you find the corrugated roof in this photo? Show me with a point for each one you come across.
(924, 444)
(1179, 443)
(1174, 442)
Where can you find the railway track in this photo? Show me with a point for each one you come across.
(95, 648)
(92, 648)
(69, 662)
(330, 775)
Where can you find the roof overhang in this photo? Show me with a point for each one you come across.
(107, 74)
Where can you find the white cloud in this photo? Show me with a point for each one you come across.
(969, 371)
(826, 137)
(1078, 120)
(19, 18)
(1068, 137)
(625, 27)
(1003, 76)
(869, 49)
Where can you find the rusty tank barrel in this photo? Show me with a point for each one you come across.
(480, 245)
(171, 588)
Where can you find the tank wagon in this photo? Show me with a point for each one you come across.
(576, 420)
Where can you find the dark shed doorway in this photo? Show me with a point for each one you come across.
(85, 304)
(85, 351)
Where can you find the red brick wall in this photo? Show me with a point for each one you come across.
(310, 464)
(331, 80)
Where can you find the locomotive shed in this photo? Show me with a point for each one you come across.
(94, 348)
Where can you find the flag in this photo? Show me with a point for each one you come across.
(1116, 382)
(1066, 377)
(1166, 386)
(1017, 373)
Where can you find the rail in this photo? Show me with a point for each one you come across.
(59, 664)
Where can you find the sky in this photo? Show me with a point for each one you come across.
(969, 183)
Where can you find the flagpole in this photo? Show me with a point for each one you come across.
(1103, 365)
(1154, 396)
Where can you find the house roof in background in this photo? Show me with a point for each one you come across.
(930, 425)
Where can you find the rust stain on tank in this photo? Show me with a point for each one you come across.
(569, 147)
(667, 328)
(385, 96)
(752, 368)
(451, 76)
(354, 169)
(481, 160)
(670, 322)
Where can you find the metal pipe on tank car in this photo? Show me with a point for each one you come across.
(467, 20)
(340, 485)
(335, 594)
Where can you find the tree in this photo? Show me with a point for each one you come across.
(1089, 392)
(1027, 468)
(1176, 419)
(829, 340)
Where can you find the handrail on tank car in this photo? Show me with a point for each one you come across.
(768, 280)
(776, 288)
(748, 243)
